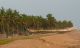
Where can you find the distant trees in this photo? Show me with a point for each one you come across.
(11, 22)
(51, 21)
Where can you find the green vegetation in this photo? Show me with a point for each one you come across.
(12, 22)
(5, 41)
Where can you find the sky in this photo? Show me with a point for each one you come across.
(61, 9)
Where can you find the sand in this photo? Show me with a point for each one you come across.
(66, 40)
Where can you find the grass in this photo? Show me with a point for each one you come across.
(5, 41)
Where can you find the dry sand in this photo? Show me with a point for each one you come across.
(66, 40)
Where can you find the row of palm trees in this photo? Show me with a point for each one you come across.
(12, 22)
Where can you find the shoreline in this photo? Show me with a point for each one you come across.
(52, 30)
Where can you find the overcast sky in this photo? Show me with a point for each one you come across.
(61, 9)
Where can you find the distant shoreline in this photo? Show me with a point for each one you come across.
(42, 30)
